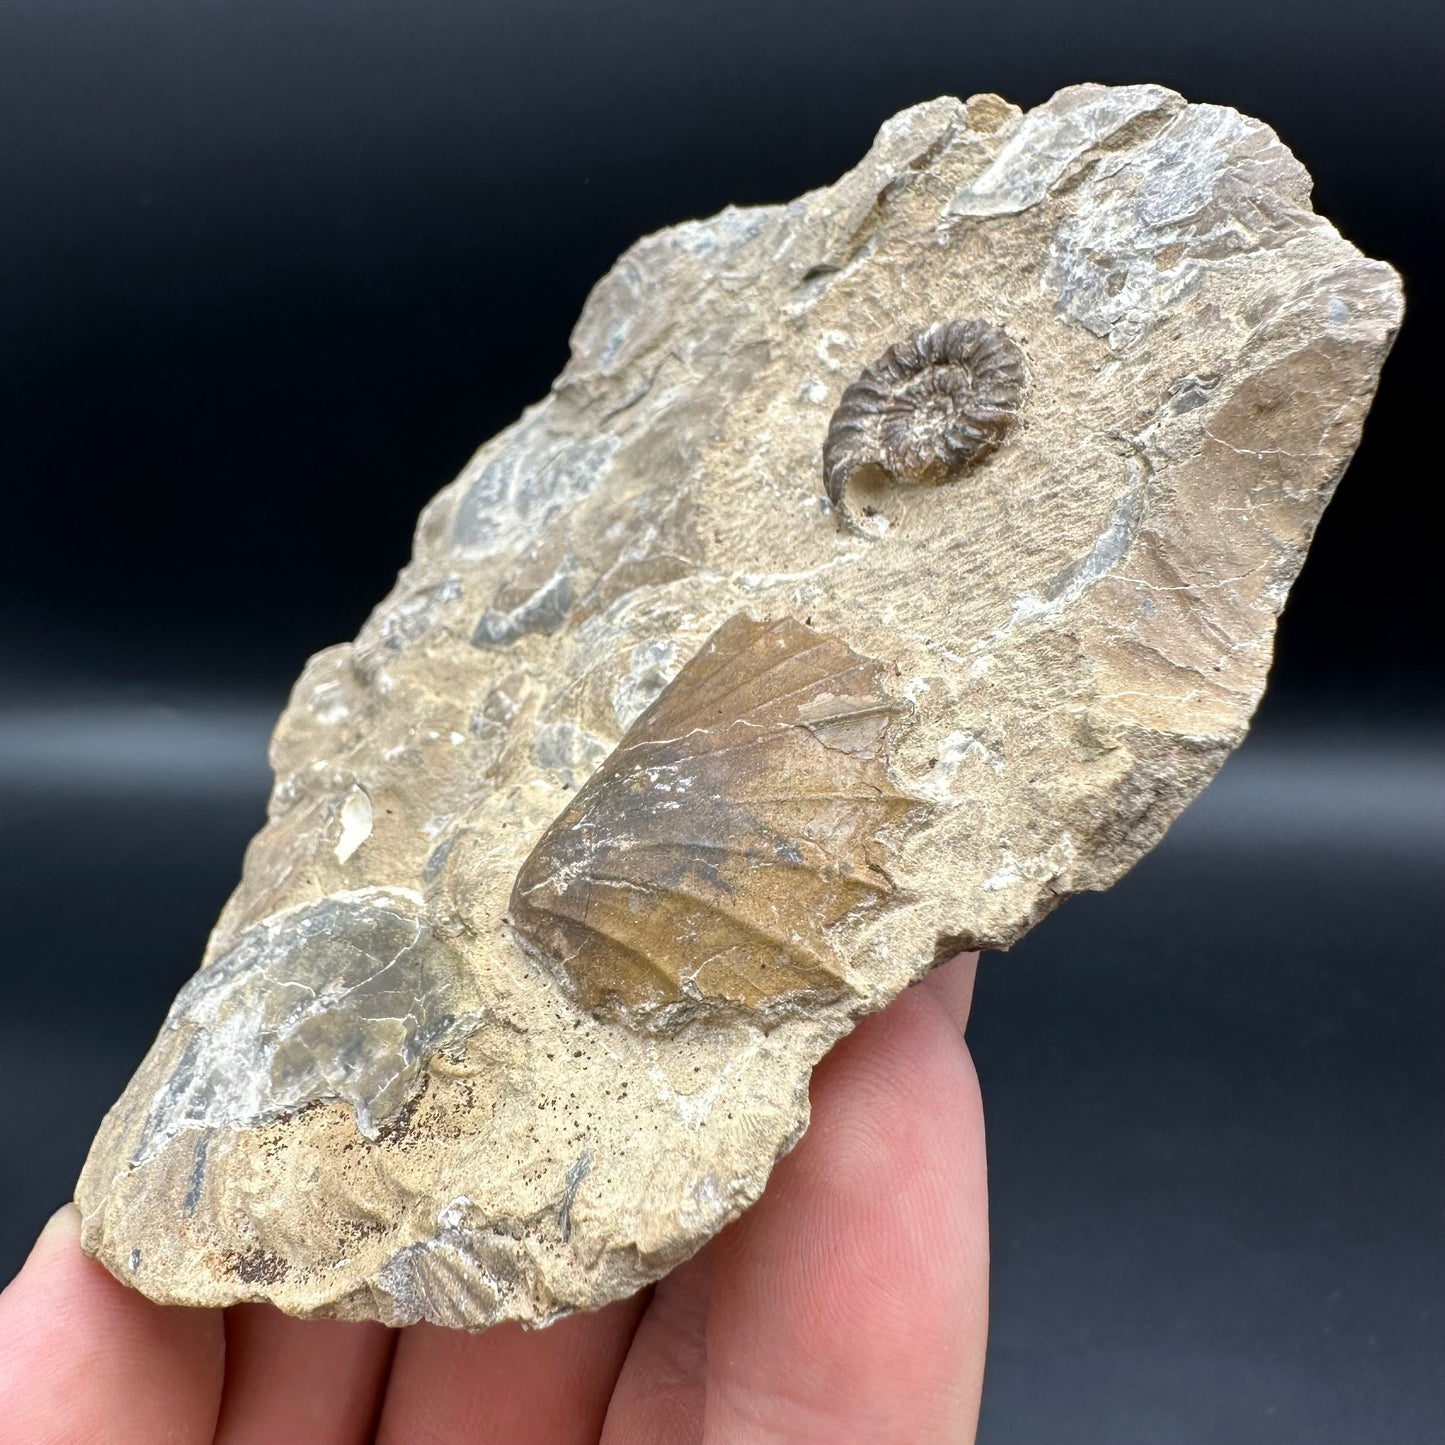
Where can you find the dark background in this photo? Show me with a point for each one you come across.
(270, 271)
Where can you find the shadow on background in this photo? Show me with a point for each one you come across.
(269, 272)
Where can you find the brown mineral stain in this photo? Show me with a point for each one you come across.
(708, 860)
(257, 1266)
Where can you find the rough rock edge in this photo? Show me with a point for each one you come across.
(1143, 816)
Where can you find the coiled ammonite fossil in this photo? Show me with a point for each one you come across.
(926, 410)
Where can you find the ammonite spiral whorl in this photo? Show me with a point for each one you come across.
(927, 409)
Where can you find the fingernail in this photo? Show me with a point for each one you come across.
(65, 1218)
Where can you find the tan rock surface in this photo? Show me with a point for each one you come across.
(398, 1089)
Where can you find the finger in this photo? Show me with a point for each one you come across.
(507, 1385)
(320, 1381)
(660, 1393)
(851, 1303)
(951, 984)
(84, 1358)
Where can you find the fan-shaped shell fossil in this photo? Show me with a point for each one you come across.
(927, 409)
(703, 868)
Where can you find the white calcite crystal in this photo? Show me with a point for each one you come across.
(658, 767)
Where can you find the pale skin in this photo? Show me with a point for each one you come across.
(849, 1305)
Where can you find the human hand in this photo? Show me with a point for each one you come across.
(849, 1305)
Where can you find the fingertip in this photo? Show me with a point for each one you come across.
(82, 1357)
(952, 984)
(50, 1257)
(65, 1221)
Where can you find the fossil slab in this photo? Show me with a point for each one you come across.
(674, 749)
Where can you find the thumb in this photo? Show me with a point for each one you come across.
(84, 1358)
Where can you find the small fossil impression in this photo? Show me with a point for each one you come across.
(926, 410)
(660, 765)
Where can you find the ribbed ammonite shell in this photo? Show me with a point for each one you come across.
(927, 409)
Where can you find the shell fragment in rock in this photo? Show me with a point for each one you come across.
(707, 863)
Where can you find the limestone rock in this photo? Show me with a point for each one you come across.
(657, 769)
